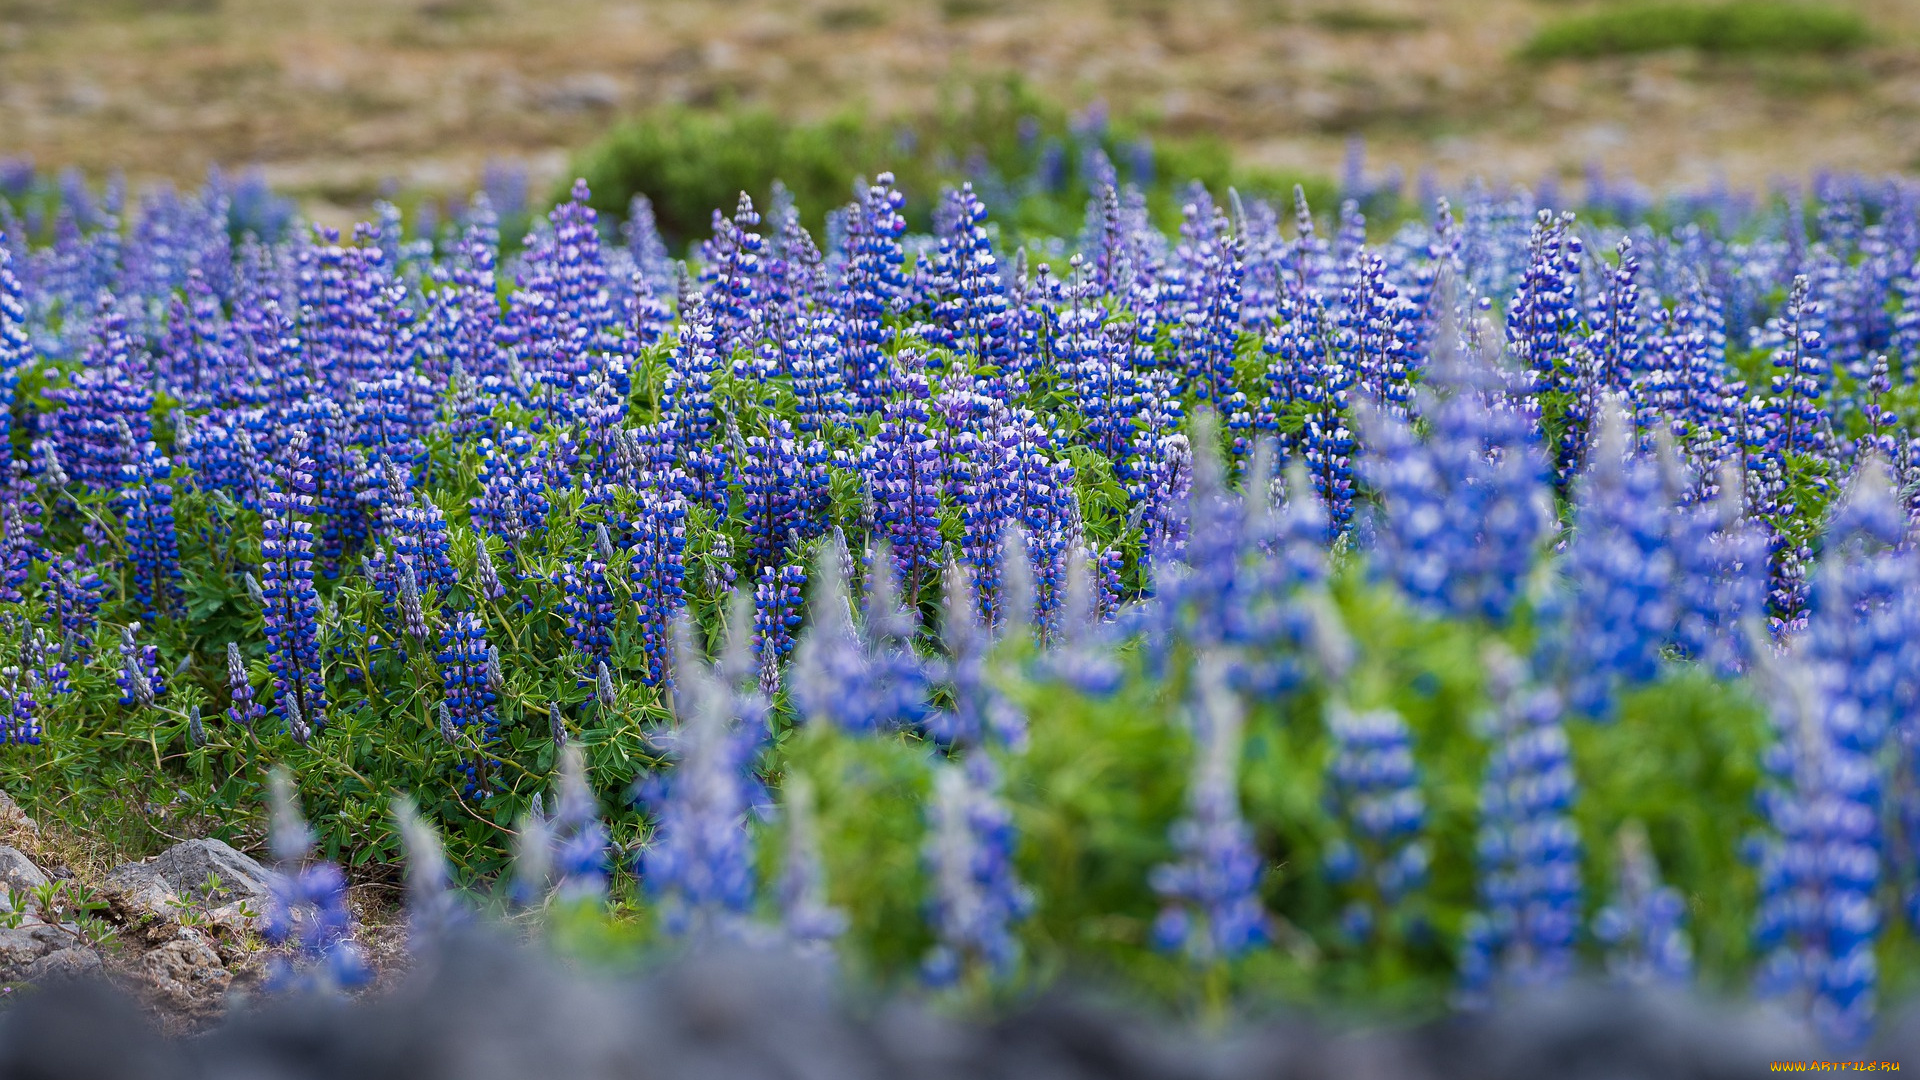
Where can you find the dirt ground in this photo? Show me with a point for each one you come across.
(336, 97)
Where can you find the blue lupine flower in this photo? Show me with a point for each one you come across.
(1882, 422)
(409, 606)
(687, 396)
(1207, 308)
(816, 358)
(577, 839)
(736, 278)
(1166, 482)
(105, 410)
(1096, 361)
(470, 312)
(976, 898)
(981, 713)
(19, 707)
(1375, 336)
(1050, 518)
(16, 345)
(1622, 572)
(699, 865)
(140, 679)
(898, 677)
(657, 576)
(1795, 419)
(1467, 509)
(562, 306)
(860, 679)
(1820, 867)
(1644, 926)
(1241, 582)
(796, 279)
(1374, 790)
(514, 481)
(486, 584)
(1540, 331)
(905, 475)
(874, 286)
(434, 908)
(392, 416)
(341, 520)
(41, 661)
(783, 487)
(75, 592)
(1703, 402)
(970, 300)
(1862, 617)
(1529, 849)
(776, 615)
(1210, 894)
(468, 689)
(1326, 440)
(291, 604)
(307, 920)
(417, 532)
(649, 251)
(588, 604)
(1720, 578)
(22, 531)
(244, 711)
(1082, 654)
(1616, 342)
(983, 479)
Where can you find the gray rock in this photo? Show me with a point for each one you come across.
(71, 962)
(17, 871)
(185, 866)
(12, 817)
(140, 887)
(239, 916)
(21, 947)
(185, 963)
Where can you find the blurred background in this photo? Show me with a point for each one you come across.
(340, 102)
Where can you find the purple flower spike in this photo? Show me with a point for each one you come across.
(1210, 895)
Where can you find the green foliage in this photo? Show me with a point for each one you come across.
(870, 793)
(1683, 760)
(1103, 780)
(1741, 26)
(1093, 796)
(1021, 149)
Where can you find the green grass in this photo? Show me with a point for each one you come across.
(1743, 26)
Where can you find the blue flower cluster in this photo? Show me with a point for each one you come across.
(1374, 789)
(1529, 849)
(976, 897)
(699, 865)
(308, 921)
(1211, 894)
(445, 474)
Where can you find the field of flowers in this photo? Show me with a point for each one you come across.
(1272, 608)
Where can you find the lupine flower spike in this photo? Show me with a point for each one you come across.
(810, 922)
(433, 908)
(308, 920)
(1211, 910)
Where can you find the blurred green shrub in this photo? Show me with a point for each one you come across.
(1743, 26)
(1026, 156)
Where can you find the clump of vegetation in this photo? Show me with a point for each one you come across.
(1030, 158)
(1744, 26)
(1254, 611)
